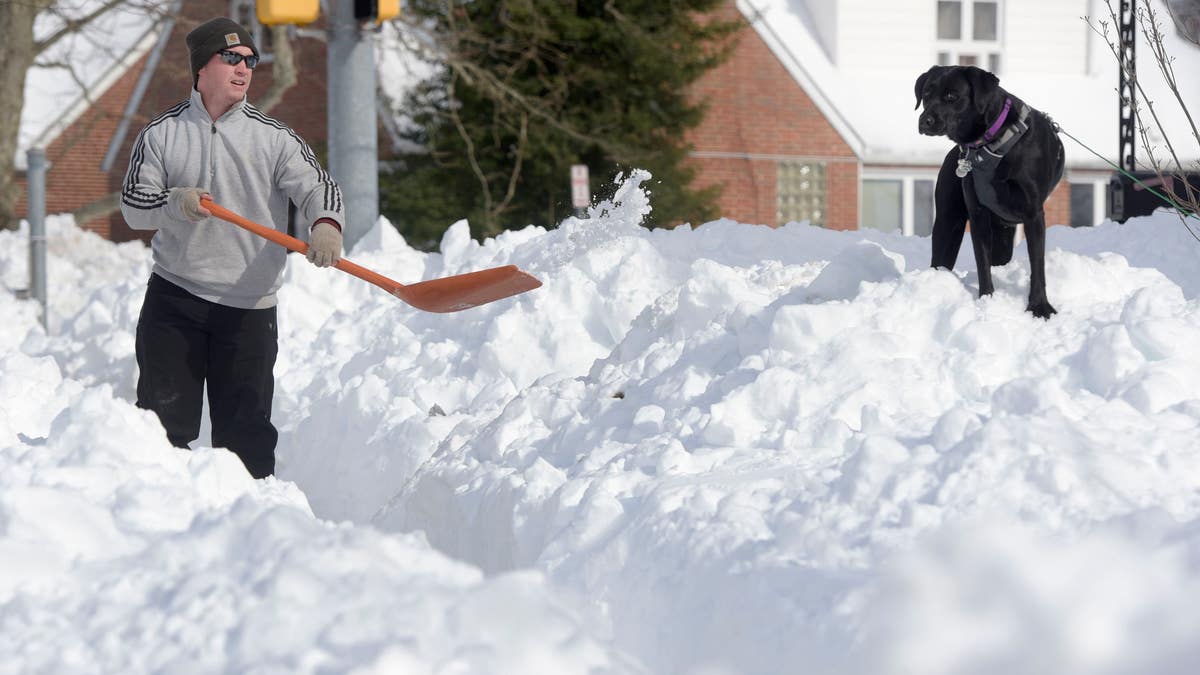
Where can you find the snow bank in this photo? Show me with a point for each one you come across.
(723, 450)
(119, 553)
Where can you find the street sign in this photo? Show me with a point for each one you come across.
(581, 194)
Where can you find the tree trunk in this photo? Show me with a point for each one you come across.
(283, 71)
(17, 52)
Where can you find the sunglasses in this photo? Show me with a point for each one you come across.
(234, 58)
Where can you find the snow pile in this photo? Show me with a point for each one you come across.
(724, 450)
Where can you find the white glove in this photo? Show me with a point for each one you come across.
(324, 244)
(183, 203)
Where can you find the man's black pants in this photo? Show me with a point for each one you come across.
(182, 341)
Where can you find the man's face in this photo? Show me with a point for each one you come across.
(221, 83)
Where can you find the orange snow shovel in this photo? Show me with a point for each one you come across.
(448, 294)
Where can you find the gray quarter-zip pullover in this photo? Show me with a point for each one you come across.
(252, 165)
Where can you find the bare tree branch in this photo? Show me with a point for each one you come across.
(1151, 31)
(16, 56)
(73, 26)
(473, 160)
(454, 55)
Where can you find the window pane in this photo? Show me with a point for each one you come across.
(1082, 199)
(944, 59)
(881, 205)
(949, 20)
(800, 192)
(922, 208)
(994, 63)
(967, 60)
(985, 21)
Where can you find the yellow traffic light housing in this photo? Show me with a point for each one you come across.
(388, 9)
(299, 12)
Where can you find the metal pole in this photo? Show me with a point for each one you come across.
(353, 146)
(36, 178)
(1120, 188)
(1127, 85)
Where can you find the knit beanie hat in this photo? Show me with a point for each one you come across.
(211, 37)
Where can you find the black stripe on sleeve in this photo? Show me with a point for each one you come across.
(333, 194)
(130, 194)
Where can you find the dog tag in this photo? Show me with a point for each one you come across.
(964, 168)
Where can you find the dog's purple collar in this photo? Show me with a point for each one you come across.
(990, 134)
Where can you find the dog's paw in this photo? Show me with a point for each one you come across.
(1042, 309)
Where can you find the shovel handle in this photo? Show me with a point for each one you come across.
(448, 294)
(289, 242)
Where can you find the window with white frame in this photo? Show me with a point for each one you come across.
(893, 202)
(800, 192)
(1089, 200)
(968, 33)
(922, 208)
(882, 205)
(1082, 199)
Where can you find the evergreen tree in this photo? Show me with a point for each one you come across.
(528, 87)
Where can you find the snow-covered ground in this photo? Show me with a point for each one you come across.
(724, 450)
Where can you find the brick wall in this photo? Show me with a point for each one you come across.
(758, 115)
(1058, 206)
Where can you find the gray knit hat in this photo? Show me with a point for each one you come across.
(211, 37)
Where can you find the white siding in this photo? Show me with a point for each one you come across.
(1045, 36)
(886, 35)
(1036, 36)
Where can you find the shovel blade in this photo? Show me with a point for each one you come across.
(463, 291)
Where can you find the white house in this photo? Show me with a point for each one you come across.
(856, 62)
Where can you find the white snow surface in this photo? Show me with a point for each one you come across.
(728, 449)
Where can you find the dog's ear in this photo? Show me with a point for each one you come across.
(920, 86)
(984, 86)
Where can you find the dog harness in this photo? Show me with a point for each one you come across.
(984, 155)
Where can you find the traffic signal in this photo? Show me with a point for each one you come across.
(376, 10)
(274, 12)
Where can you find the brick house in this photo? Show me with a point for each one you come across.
(812, 118)
(764, 134)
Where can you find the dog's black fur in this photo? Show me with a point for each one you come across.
(961, 102)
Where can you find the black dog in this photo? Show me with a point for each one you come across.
(1008, 160)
